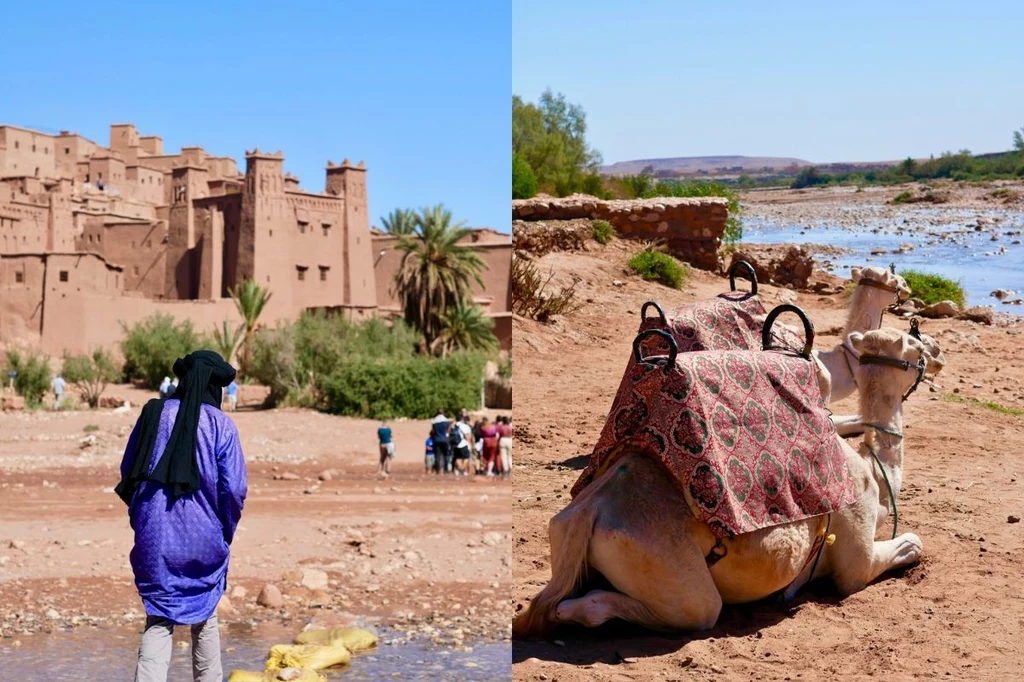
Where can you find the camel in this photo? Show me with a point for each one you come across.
(635, 528)
(877, 288)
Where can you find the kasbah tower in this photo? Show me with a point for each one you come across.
(92, 238)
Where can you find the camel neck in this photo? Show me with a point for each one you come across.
(866, 308)
(884, 438)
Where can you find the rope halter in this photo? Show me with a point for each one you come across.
(898, 364)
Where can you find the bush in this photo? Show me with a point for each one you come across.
(33, 380)
(901, 197)
(413, 387)
(528, 297)
(90, 374)
(524, 182)
(150, 347)
(603, 231)
(933, 288)
(657, 266)
(272, 363)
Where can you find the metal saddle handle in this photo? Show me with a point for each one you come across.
(673, 349)
(769, 322)
(749, 273)
(661, 312)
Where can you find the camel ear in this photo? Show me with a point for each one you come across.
(856, 341)
(855, 274)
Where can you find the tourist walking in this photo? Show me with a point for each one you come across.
(428, 458)
(387, 449)
(183, 478)
(232, 393)
(58, 387)
(505, 445)
(490, 436)
(462, 445)
(165, 388)
(442, 453)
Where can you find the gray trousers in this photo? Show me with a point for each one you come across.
(155, 651)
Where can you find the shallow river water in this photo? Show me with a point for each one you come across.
(109, 654)
(944, 239)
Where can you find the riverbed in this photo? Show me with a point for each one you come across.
(979, 248)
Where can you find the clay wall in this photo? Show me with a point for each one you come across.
(108, 172)
(21, 296)
(153, 145)
(70, 151)
(23, 222)
(316, 236)
(139, 248)
(123, 136)
(145, 184)
(691, 228)
(26, 153)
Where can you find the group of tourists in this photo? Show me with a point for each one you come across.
(458, 446)
(169, 386)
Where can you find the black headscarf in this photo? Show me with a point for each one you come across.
(203, 376)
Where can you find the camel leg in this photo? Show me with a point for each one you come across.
(599, 606)
(645, 543)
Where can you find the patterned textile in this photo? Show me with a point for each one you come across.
(744, 434)
(730, 321)
(181, 552)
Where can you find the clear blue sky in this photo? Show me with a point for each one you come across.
(419, 90)
(822, 81)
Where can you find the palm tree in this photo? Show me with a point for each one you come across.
(436, 272)
(226, 341)
(466, 328)
(250, 299)
(400, 221)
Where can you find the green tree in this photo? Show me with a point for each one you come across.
(908, 166)
(400, 221)
(151, 346)
(436, 271)
(226, 341)
(466, 328)
(550, 137)
(1018, 140)
(33, 375)
(250, 300)
(90, 374)
(524, 182)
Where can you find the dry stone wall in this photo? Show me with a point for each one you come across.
(692, 228)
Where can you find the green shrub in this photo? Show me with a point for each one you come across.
(529, 298)
(657, 266)
(151, 346)
(90, 374)
(524, 182)
(272, 362)
(413, 387)
(91, 428)
(901, 197)
(933, 288)
(33, 380)
(603, 231)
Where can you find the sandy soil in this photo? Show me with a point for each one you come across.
(417, 552)
(957, 615)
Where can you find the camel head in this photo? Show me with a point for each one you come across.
(881, 380)
(884, 277)
(933, 355)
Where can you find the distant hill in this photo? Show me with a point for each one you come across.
(707, 164)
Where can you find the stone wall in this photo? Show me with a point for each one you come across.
(691, 228)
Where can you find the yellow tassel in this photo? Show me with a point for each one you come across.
(830, 539)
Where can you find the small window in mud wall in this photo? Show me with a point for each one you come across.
(301, 271)
(302, 226)
(323, 272)
(19, 277)
(327, 229)
(135, 270)
(63, 275)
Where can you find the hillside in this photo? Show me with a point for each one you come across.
(710, 164)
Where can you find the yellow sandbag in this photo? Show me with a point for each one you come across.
(353, 639)
(304, 675)
(313, 656)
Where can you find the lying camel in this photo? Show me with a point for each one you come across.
(634, 527)
(877, 289)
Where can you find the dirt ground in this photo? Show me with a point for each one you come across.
(958, 615)
(423, 554)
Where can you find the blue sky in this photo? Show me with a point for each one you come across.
(858, 81)
(419, 90)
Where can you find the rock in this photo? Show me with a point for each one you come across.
(53, 614)
(293, 576)
(977, 314)
(941, 309)
(493, 539)
(270, 597)
(286, 476)
(224, 607)
(87, 442)
(17, 544)
(1012, 519)
(314, 579)
(327, 475)
(238, 592)
(1002, 293)
(618, 283)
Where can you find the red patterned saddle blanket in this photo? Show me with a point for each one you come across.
(745, 435)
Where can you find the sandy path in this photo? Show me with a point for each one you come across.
(958, 615)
